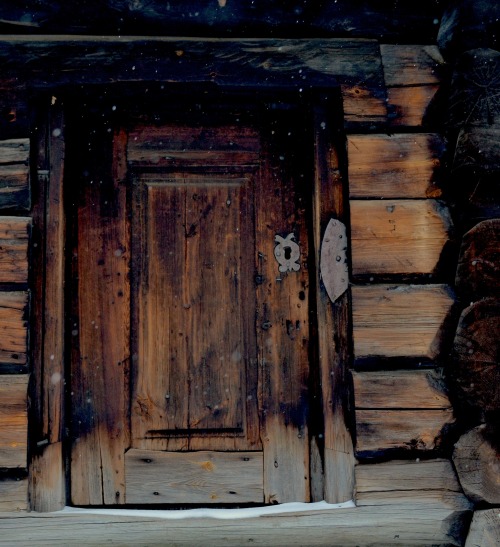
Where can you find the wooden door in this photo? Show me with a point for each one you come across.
(190, 334)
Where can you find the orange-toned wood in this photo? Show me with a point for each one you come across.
(396, 166)
(100, 332)
(14, 233)
(13, 421)
(196, 370)
(13, 326)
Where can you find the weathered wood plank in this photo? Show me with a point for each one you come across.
(14, 187)
(400, 389)
(397, 321)
(329, 202)
(474, 368)
(478, 270)
(477, 462)
(411, 65)
(14, 151)
(408, 106)
(397, 166)
(13, 421)
(403, 524)
(485, 529)
(380, 430)
(401, 21)
(13, 327)
(477, 151)
(405, 476)
(197, 477)
(101, 332)
(46, 479)
(282, 319)
(14, 235)
(14, 494)
(398, 236)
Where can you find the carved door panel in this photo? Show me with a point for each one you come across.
(190, 358)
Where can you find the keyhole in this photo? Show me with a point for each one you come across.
(288, 253)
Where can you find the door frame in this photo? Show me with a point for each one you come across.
(333, 465)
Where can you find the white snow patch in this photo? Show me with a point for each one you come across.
(251, 512)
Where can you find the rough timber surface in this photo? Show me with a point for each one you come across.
(485, 529)
(402, 522)
(13, 421)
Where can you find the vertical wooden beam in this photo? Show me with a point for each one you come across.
(333, 319)
(47, 480)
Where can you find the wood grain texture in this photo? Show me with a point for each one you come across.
(401, 22)
(269, 63)
(196, 380)
(409, 106)
(402, 523)
(282, 319)
(397, 166)
(405, 476)
(14, 174)
(396, 321)
(329, 201)
(13, 327)
(400, 389)
(478, 270)
(196, 477)
(477, 463)
(411, 65)
(484, 530)
(474, 367)
(380, 430)
(477, 152)
(14, 235)
(46, 477)
(101, 330)
(13, 421)
(13, 495)
(398, 236)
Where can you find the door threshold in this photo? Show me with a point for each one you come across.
(244, 513)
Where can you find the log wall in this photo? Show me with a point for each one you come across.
(15, 230)
(405, 296)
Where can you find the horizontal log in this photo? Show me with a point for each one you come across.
(14, 494)
(14, 234)
(399, 321)
(474, 367)
(409, 106)
(411, 65)
(403, 523)
(478, 270)
(397, 166)
(197, 477)
(13, 420)
(398, 389)
(13, 342)
(405, 476)
(477, 463)
(484, 529)
(400, 21)
(14, 173)
(398, 236)
(381, 430)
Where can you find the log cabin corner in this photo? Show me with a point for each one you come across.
(249, 256)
